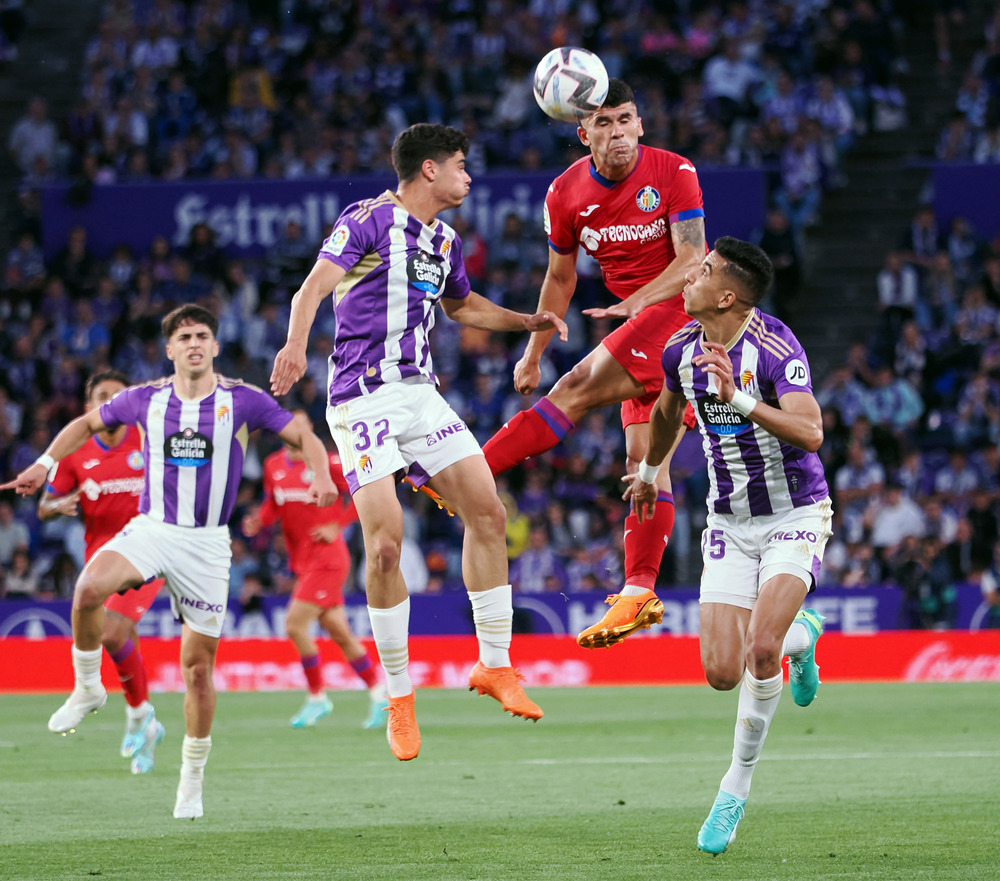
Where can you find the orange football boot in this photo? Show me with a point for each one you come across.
(402, 731)
(504, 684)
(626, 615)
(433, 496)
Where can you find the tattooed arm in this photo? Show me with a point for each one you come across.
(689, 245)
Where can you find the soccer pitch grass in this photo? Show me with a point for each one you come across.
(870, 782)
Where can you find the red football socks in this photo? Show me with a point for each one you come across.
(646, 541)
(529, 433)
(132, 673)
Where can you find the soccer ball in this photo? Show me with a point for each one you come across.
(570, 83)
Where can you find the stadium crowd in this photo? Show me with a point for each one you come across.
(218, 89)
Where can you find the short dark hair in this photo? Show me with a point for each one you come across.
(747, 265)
(425, 141)
(188, 314)
(619, 92)
(104, 376)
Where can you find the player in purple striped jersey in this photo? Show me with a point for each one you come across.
(748, 380)
(195, 425)
(389, 262)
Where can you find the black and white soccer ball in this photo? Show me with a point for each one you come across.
(570, 83)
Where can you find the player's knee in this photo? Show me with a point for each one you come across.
(198, 675)
(763, 653)
(488, 516)
(722, 678)
(89, 594)
(384, 556)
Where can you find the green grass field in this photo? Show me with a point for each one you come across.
(871, 782)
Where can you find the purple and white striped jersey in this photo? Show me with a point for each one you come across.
(750, 471)
(194, 450)
(397, 270)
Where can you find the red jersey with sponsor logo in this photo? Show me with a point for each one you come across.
(286, 488)
(110, 480)
(625, 225)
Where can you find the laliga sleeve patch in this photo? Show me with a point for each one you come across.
(339, 240)
(796, 373)
(546, 220)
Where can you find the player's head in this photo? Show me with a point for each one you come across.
(746, 266)
(612, 133)
(103, 386)
(190, 334)
(435, 153)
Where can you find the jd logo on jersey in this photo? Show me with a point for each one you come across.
(187, 449)
(425, 271)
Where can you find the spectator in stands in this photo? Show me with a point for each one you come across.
(843, 392)
(728, 80)
(34, 135)
(990, 587)
(21, 580)
(965, 249)
(14, 534)
(891, 519)
(923, 573)
(893, 402)
(857, 484)
(800, 193)
(898, 285)
(956, 141)
(531, 571)
(779, 243)
(76, 265)
(910, 356)
(955, 481)
(973, 100)
(922, 240)
(985, 528)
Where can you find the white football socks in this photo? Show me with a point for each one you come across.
(391, 632)
(87, 667)
(757, 704)
(493, 614)
(797, 640)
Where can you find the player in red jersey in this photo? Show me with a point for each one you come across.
(102, 482)
(318, 556)
(638, 211)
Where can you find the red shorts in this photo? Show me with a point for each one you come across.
(133, 604)
(638, 346)
(321, 587)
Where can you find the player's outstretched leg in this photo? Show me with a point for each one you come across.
(378, 710)
(88, 694)
(314, 709)
(136, 720)
(719, 829)
(402, 731)
(626, 615)
(194, 757)
(504, 684)
(152, 733)
(803, 671)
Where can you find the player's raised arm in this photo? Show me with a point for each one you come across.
(70, 439)
(797, 421)
(290, 362)
(666, 424)
(557, 291)
(322, 490)
(688, 238)
(475, 310)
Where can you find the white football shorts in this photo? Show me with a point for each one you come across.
(741, 553)
(193, 560)
(397, 425)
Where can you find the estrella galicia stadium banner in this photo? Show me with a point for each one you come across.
(848, 610)
(249, 216)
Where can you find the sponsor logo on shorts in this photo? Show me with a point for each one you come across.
(187, 449)
(442, 433)
(637, 354)
(794, 535)
(201, 605)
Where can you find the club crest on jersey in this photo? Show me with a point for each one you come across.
(222, 414)
(135, 460)
(365, 464)
(187, 449)
(425, 272)
(720, 418)
(647, 199)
